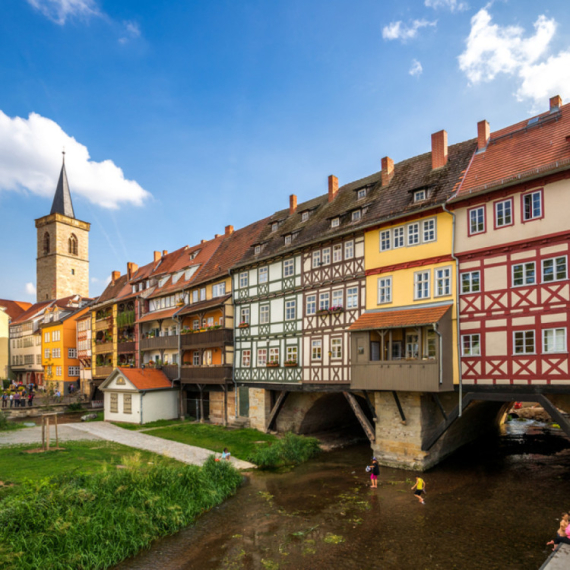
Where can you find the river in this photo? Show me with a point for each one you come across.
(492, 505)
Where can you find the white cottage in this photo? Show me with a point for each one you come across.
(139, 396)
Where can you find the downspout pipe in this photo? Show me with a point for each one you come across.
(143, 393)
(457, 292)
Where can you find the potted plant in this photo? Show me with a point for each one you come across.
(243, 325)
(323, 312)
(336, 309)
(290, 363)
(273, 364)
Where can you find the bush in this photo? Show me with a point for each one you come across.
(3, 422)
(95, 521)
(290, 450)
(74, 407)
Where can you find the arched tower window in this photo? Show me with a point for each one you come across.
(73, 244)
(46, 243)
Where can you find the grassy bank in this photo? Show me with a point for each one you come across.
(291, 449)
(17, 464)
(7, 425)
(241, 442)
(94, 521)
(150, 425)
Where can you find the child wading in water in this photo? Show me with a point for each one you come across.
(420, 489)
(374, 472)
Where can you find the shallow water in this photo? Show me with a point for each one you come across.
(492, 505)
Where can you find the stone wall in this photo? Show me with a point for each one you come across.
(217, 407)
(259, 408)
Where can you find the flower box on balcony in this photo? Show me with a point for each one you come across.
(323, 312)
(291, 363)
(333, 310)
(243, 325)
(273, 365)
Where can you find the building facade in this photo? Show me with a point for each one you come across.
(9, 310)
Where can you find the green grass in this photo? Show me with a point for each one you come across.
(100, 417)
(157, 423)
(290, 450)
(240, 442)
(93, 521)
(79, 457)
(7, 425)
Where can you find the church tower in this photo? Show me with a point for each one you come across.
(62, 266)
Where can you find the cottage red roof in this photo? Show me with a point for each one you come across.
(534, 146)
(146, 378)
(204, 305)
(399, 319)
(33, 311)
(156, 315)
(14, 308)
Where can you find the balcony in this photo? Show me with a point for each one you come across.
(103, 371)
(104, 324)
(206, 374)
(217, 337)
(126, 347)
(104, 348)
(159, 342)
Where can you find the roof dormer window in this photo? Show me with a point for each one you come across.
(288, 239)
(420, 195)
(304, 216)
(257, 249)
(335, 222)
(274, 226)
(361, 193)
(356, 215)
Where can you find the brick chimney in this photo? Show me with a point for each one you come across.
(555, 103)
(387, 170)
(333, 187)
(292, 204)
(483, 134)
(229, 230)
(131, 269)
(164, 252)
(156, 256)
(204, 241)
(115, 276)
(438, 149)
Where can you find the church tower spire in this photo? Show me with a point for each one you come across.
(62, 264)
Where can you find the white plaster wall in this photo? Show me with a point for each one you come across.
(160, 405)
(133, 418)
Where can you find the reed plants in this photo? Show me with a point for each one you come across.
(291, 449)
(93, 521)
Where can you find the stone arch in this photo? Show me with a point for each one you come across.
(72, 242)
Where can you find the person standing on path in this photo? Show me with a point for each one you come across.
(374, 472)
(4, 400)
(420, 489)
(30, 399)
(11, 400)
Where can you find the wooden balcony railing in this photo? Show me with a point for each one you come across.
(159, 342)
(103, 371)
(104, 348)
(206, 374)
(217, 337)
(104, 324)
(125, 347)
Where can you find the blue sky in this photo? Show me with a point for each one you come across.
(181, 117)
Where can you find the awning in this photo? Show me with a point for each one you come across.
(399, 319)
(158, 315)
(203, 305)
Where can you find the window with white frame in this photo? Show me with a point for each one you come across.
(398, 237)
(244, 279)
(523, 342)
(555, 269)
(203, 294)
(56, 336)
(288, 267)
(443, 281)
(413, 234)
(352, 298)
(503, 213)
(58, 371)
(246, 357)
(263, 314)
(471, 282)
(73, 370)
(335, 222)
(127, 403)
(412, 345)
(311, 304)
(337, 253)
(292, 354)
(428, 230)
(471, 345)
(384, 290)
(419, 195)
(209, 323)
(274, 354)
(71, 353)
(477, 220)
(219, 289)
(361, 194)
(304, 216)
(244, 314)
(385, 240)
(324, 301)
(348, 250)
(46, 337)
(532, 206)
(554, 340)
(288, 239)
(316, 258)
(46, 353)
(317, 350)
(326, 256)
(524, 274)
(274, 226)
(421, 285)
(290, 310)
(196, 358)
(261, 356)
(196, 324)
(195, 296)
(257, 249)
(338, 298)
(263, 274)
(356, 215)
(336, 348)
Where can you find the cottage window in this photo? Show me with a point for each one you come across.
(398, 237)
(361, 193)
(421, 285)
(419, 195)
(195, 296)
(554, 340)
(288, 267)
(471, 345)
(127, 404)
(264, 314)
(58, 371)
(412, 346)
(196, 324)
(274, 354)
(288, 239)
(428, 230)
(203, 294)
(471, 282)
(326, 256)
(274, 226)
(431, 344)
(335, 222)
(114, 403)
(311, 304)
(352, 298)
(443, 282)
(246, 358)
(257, 249)
(263, 275)
(46, 337)
(336, 348)
(46, 353)
(290, 310)
(338, 298)
(261, 357)
(385, 240)
(72, 353)
(524, 274)
(348, 250)
(337, 253)
(196, 358)
(524, 342)
(244, 279)
(324, 301)
(477, 220)
(356, 215)
(504, 213)
(317, 350)
(219, 290)
(291, 354)
(384, 290)
(304, 216)
(244, 313)
(555, 269)
(532, 206)
(316, 259)
(414, 234)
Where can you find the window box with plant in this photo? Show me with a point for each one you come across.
(273, 364)
(337, 309)
(323, 312)
(291, 363)
(243, 325)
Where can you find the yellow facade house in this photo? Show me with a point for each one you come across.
(9, 310)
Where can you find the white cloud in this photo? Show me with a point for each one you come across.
(416, 68)
(30, 159)
(493, 49)
(131, 31)
(30, 289)
(104, 281)
(59, 10)
(452, 5)
(400, 31)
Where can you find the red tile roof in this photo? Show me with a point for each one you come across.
(533, 146)
(146, 378)
(158, 315)
(203, 305)
(14, 308)
(399, 319)
(31, 312)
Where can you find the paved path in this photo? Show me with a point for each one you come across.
(559, 560)
(180, 451)
(30, 435)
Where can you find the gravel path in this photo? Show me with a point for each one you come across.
(180, 451)
(34, 435)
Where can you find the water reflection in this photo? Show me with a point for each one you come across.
(492, 505)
